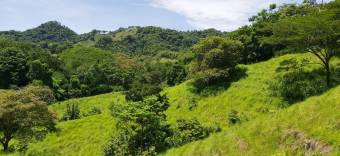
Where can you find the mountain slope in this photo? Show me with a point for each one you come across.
(265, 129)
(307, 128)
(311, 126)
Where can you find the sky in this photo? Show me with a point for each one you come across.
(85, 15)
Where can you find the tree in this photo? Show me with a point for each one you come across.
(318, 33)
(40, 71)
(23, 115)
(142, 127)
(13, 67)
(215, 58)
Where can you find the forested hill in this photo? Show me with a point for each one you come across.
(51, 31)
(132, 40)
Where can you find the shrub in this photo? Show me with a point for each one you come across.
(142, 127)
(296, 83)
(72, 112)
(93, 111)
(192, 103)
(187, 131)
(233, 117)
(138, 91)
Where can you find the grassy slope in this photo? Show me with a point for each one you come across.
(248, 96)
(261, 131)
(85, 136)
(315, 121)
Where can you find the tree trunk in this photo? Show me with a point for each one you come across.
(325, 58)
(328, 76)
(5, 145)
(5, 141)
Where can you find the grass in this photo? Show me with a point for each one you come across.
(102, 102)
(250, 96)
(264, 123)
(314, 122)
(85, 136)
(309, 127)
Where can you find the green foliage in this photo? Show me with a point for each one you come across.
(138, 91)
(151, 40)
(142, 127)
(23, 62)
(93, 111)
(215, 58)
(257, 46)
(93, 71)
(233, 117)
(43, 93)
(187, 131)
(13, 67)
(23, 116)
(40, 71)
(81, 58)
(50, 31)
(72, 112)
(317, 32)
(192, 103)
(295, 83)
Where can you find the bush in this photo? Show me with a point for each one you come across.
(295, 83)
(233, 117)
(209, 77)
(142, 127)
(138, 91)
(192, 103)
(72, 112)
(187, 131)
(93, 111)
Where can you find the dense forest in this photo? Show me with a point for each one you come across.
(267, 88)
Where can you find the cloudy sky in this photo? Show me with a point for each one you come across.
(85, 15)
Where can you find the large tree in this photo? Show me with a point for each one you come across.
(318, 33)
(215, 59)
(24, 115)
(13, 67)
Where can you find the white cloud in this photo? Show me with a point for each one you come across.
(219, 14)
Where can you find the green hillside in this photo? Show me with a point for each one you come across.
(266, 129)
(85, 136)
(83, 57)
(311, 126)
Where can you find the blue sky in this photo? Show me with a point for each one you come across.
(85, 15)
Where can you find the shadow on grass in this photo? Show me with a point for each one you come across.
(295, 84)
(213, 90)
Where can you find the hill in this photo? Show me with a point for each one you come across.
(51, 31)
(83, 57)
(148, 40)
(307, 127)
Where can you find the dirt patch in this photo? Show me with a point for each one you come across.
(299, 143)
(242, 144)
